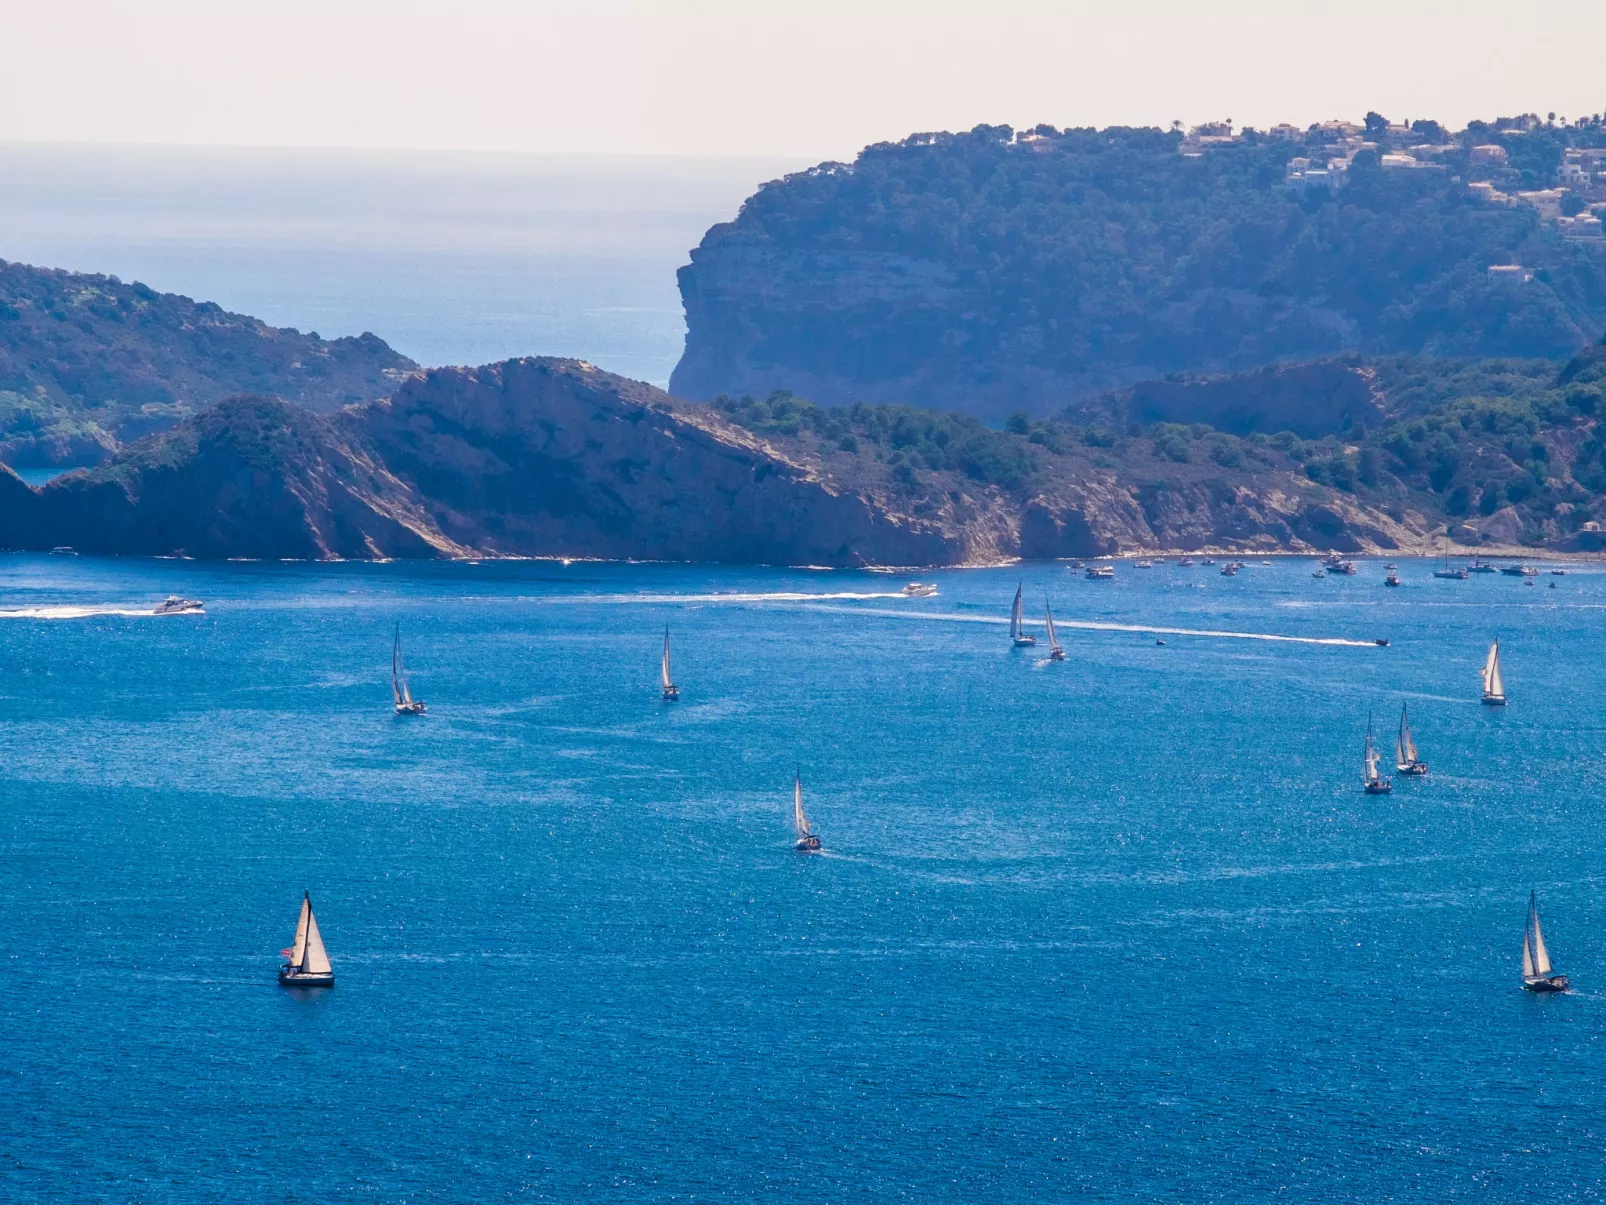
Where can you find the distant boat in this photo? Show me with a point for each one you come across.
(1055, 653)
(63, 550)
(1101, 573)
(1230, 569)
(1406, 759)
(1187, 560)
(306, 961)
(1017, 627)
(174, 605)
(1393, 579)
(1480, 566)
(919, 590)
(671, 691)
(405, 703)
(1374, 782)
(1347, 568)
(1494, 686)
(1519, 571)
(807, 842)
(1318, 572)
(1445, 571)
(1537, 973)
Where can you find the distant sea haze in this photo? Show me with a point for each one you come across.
(451, 258)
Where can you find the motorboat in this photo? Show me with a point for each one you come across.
(1519, 571)
(1481, 566)
(306, 961)
(1101, 573)
(174, 605)
(1393, 579)
(919, 590)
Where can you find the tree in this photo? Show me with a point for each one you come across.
(1376, 126)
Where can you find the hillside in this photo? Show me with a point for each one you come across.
(88, 363)
(989, 271)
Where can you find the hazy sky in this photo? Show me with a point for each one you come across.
(746, 77)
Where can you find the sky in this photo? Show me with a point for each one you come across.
(817, 79)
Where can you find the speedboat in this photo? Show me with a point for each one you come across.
(1101, 573)
(1230, 569)
(174, 605)
(919, 590)
(1347, 568)
(1519, 571)
(1318, 572)
(1187, 560)
(1481, 566)
(1393, 579)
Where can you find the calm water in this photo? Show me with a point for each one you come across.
(452, 258)
(1123, 929)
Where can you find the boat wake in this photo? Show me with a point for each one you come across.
(1094, 625)
(82, 612)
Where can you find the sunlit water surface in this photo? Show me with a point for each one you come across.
(1122, 928)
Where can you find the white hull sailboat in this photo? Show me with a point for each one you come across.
(306, 961)
(807, 842)
(1494, 686)
(671, 691)
(1055, 652)
(1406, 759)
(1018, 635)
(1374, 782)
(405, 703)
(1537, 973)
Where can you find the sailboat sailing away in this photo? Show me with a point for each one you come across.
(1017, 628)
(807, 842)
(1055, 653)
(1374, 782)
(405, 703)
(671, 691)
(1537, 973)
(306, 961)
(1494, 686)
(1405, 755)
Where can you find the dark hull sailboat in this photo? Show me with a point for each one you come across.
(671, 691)
(1018, 635)
(1373, 782)
(306, 961)
(1537, 973)
(807, 842)
(1406, 760)
(1055, 652)
(405, 703)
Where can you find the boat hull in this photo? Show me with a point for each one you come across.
(1381, 787)
(671, 694)
(289, 978)
(1057, 655)
(1025, 642)
(409, 709)
(1494, 700)
(807, 845)
(1414, 769)
(1549, 983)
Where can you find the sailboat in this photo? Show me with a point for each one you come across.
(1494, 686)
(1017, 629)
(1537, 973)
(1405, 755)
(306, 961)
(1055, 653)
(405, 703)
(1374, 782)
(807, 842)
(671, 691)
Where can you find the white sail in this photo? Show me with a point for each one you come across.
(315, 959)
(799, 817)
(1541, 956)
(1527, 954)
(396, 687)
(663, 669)
(298, 948)
(1014, 615)
(1371, 759)
(1404, 745)
(1493, 684)
(1053, 640)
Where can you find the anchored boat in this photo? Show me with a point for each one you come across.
(1494, 686)
(1406, 759)
(1537, 973)
(306, 961)
(405, 703)
(671, 691)
(1374, 782)
(1018, 634)
(807, 842)
(1055, 653)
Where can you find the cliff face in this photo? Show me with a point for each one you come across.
(555, 458)
(88, 363)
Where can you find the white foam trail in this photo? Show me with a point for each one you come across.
(1096, 626)
(81, 612)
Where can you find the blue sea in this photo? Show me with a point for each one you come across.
(1122, 929)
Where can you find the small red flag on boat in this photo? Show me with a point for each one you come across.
(286, 952)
